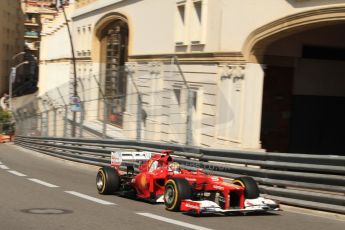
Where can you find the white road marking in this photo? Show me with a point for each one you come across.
(0, 163)
(90, 198)
(16, 173)
(43, 183)
(4, 167)
(172, 221)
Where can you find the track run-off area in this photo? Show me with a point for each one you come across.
(43, 192)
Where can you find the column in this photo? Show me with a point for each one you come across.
(252, 107)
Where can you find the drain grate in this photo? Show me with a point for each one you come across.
(47, 211)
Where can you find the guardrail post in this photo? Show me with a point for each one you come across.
(82, 116)
(54, 122)
(189, 130)
(65, 121)
(105, 118)
(45, 119)
(139, 117)
(25, 124)
(42, 124)
(47, 123)
(31, 124)
(39, 123)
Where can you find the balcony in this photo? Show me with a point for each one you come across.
(31, 23)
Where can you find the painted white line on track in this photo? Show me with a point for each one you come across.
(16, 173)
(0, 163)
(89, 198)
(4, 167)
(172, 221)
(43, 183)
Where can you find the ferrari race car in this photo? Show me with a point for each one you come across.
(160, 179)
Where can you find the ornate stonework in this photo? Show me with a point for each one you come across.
(130, 67)
(235, 72)
(154, 67)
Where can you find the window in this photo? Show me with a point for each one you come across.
(181, 23)
(195, 99)
(190, 23)
(114, 41)
(196, 22)
(177, 93)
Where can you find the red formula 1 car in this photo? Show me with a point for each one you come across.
(160, 179)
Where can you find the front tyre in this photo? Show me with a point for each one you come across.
(251, 189)
(176, 190)
(107, 180)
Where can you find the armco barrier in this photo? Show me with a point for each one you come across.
(310, 181)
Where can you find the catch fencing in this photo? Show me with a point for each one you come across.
(310, 181)
(154, 103)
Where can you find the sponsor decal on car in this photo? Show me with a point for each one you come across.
(218, 187)
(192, 206)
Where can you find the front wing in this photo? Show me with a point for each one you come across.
(207, 207)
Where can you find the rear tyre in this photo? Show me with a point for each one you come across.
(176, 190)
(107, 180)
(251, 189)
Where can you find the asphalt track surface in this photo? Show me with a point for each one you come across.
(40, 192)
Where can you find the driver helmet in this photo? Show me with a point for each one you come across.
(174, 166)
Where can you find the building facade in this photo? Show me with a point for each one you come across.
(49, 61)
(55, 54)
(216, 73)
(11, 39)
(35, 14)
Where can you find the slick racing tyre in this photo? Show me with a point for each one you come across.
(107, 180)
(251, 189)
(176, 190)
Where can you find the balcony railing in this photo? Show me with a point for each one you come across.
(30, 23)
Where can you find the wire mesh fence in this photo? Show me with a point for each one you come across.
(154, 105)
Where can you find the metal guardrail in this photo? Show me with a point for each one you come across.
(310, 181)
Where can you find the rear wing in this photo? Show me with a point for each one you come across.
(118, 157)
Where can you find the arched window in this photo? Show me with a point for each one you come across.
(114, 52)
